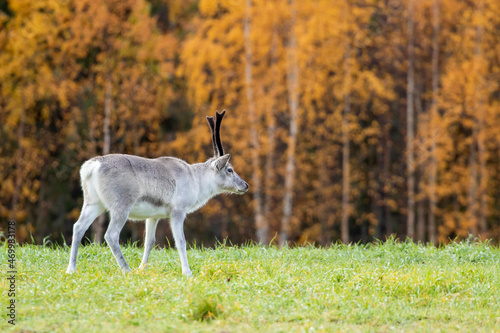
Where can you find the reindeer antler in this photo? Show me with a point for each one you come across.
(218, 120)
(211, 123)
(215, 128)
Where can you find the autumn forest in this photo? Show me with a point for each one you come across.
(350, 120)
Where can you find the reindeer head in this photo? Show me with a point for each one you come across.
(225, 176)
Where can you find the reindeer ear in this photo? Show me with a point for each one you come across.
(221, 162)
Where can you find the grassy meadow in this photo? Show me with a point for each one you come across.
(380, 287)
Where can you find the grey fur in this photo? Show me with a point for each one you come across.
(136, 188)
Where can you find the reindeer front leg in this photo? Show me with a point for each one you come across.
(177, 224)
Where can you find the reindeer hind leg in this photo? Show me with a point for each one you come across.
(112, 236)
(88, 214)
(149, 241)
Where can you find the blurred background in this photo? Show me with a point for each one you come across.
(350, 120)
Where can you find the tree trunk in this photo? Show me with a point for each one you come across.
(271, 137)
(433, 121)
(98, 225)
(293, 103)
(389, 227)
(410, 93)
(162, 233)
(322, 208)
(346, 183)
(261, 225)
(420, 218)
(107, 118)
(422, 165)
(43, 228)
(472, 195)
(269, 172)
(19, 162)
(137, 229)
(481, 153)
(477, 192)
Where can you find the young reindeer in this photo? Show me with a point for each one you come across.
(136, 188)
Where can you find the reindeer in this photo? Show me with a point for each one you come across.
(135, 188)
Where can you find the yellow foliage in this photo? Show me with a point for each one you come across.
(208, 7)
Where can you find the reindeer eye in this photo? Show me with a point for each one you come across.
(230, 170)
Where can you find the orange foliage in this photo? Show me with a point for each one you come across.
(169, 63)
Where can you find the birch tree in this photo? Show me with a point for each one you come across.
(293, 103)
(410, 137)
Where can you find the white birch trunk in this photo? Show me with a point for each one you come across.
(480, 135)
(410, 94)
(433, 121)
(346, 172)
(261, 226)
(271, 139)
(293, 103)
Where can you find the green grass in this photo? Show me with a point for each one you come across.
(381, 287)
